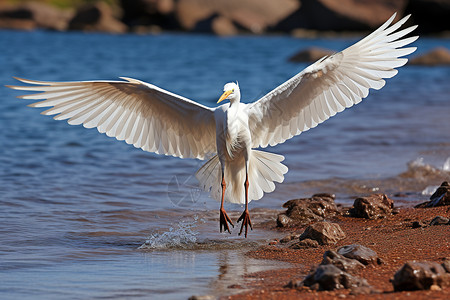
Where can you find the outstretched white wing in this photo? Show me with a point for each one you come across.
(139, 113)
(329, 85)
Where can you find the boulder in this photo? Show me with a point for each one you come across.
(437, 57)
(343, 15)
(303, 211)
(441, 197)
(34, 15)
(325, 233)
(250, 15)
(360, 253)
(310, 55)
(372, 207)
(97, 17)
(420, 276)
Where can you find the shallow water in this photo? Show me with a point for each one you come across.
(76, 205)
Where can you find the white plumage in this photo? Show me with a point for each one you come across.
(156, 120)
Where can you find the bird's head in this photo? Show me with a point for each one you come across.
(231, 92)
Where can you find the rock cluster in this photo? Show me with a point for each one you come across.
(226, 17)
(304, 211)
(335, 272)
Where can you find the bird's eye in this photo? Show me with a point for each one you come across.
(232, 90)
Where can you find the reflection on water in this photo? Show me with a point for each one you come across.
(76, 205)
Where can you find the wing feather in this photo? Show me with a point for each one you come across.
(139, 113)
(329, 85)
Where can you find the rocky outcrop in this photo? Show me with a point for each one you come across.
(150, 14)
(307, 210)
(325, 233)
(372, 207)
(436, 57)
(310, 55)
(253, 16)
(33, 15)
(420, 276)
(341, 15)
(97, 17)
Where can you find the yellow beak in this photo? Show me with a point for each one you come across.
(224, 96)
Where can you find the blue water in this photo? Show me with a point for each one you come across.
(76, 205)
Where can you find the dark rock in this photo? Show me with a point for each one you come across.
(441, 197)
(329, 277)
(310, 55)
(372, 207)
(294, 283)
(362, 254)
(446, 265)
(306, 243)
(418, 224)
(436, 57)
(149, 13)
(324, 233)
(306, 210)
(96, 17)
(348, 265)
(340, 15)
(430, 15)
(420, 276)
(439, 221)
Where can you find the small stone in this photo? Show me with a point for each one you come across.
(274, 242)
(306, 243)
(289, 238)
(418, 224)
(284, 221)
(325, 233)
(361, 253)
(439, 221)
(351, 266)
(294, 283)
(435, 287)
(372, 207)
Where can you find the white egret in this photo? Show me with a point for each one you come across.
(156, 120)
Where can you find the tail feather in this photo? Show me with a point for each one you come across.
(264, 169)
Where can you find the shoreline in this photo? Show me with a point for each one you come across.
(393, 238)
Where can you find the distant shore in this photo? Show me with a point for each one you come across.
(300, 18)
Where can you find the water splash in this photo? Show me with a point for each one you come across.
(446, 166)
(183, 235)
(429, 190)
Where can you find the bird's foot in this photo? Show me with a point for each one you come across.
(224, 220)
(245, 218)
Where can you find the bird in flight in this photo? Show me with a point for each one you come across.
(159, 121)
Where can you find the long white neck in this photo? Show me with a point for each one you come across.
(236, 99)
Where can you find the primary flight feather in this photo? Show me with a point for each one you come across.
(156, 120)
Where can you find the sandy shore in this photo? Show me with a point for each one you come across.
(393, 238)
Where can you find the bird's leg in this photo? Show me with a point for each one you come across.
(224, 218)
(245, 217)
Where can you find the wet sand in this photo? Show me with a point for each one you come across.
(393, 238)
